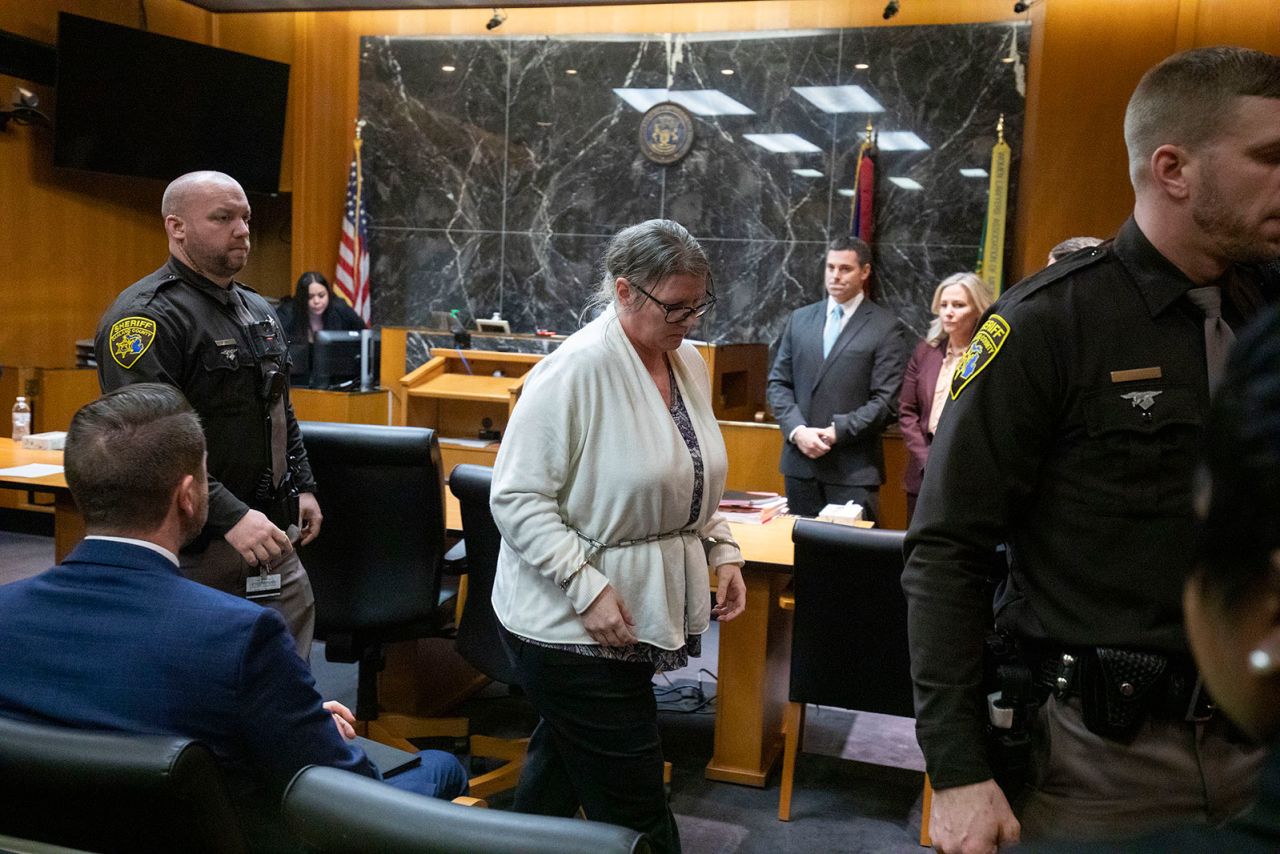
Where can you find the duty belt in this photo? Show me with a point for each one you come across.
(1166, 686)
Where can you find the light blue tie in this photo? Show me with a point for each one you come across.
(832, 330)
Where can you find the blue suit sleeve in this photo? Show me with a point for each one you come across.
(283, 724)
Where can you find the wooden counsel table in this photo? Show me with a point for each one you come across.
(755, 655)
(68, 527)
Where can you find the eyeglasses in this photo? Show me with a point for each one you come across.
(676, 313)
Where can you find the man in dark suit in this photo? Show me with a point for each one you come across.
(834, 387)
(115, 638)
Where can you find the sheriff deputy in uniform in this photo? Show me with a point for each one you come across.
(1071, 438)
(191, 325)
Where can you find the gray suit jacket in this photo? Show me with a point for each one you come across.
(855, 388)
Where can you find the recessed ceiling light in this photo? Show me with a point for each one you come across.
(807, 173)
(907, 183)
(1008, 59)
(861, 66)
(974, 173)
(447, 68)
(900, 140)
(844, 191)
(782, 143)
(571, 71)
(700, 102)
(727, 72)
(839, 99)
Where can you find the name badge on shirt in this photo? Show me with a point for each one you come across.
(264, 586)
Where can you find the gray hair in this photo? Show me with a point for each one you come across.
(127, 451)
(979, 295)
(647, 254)
(1072, 244)
(1190, 97)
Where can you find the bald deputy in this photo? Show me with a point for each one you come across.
(190, 324)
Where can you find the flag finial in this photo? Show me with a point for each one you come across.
(870, 130)
(1000, 128)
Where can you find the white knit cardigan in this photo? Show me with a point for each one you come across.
(592, 448)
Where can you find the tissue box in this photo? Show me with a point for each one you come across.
(55, 440)
(844, 514)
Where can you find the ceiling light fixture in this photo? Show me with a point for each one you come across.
(448, 68)
(571, 71)
(727, 72)
(861, 66)
(890, 9)
(1023, 5)
(497, 20)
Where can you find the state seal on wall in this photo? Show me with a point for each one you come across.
(666, 133)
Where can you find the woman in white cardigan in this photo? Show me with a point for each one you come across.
(605, 490)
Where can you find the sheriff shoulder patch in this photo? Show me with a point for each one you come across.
(131, 337)
(986, 343)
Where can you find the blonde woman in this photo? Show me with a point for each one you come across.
(958, 302)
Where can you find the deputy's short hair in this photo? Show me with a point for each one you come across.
(1190, 97)
(127, 451)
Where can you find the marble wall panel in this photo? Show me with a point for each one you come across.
(495, 187)
(574, 166)
(435, 142)
(438, 270)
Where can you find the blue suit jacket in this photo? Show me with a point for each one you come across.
(116, 639)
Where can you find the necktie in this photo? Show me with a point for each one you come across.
(1218, 336)
(832, 330)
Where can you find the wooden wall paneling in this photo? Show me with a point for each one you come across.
(72, 240)
(1248, 23)
(1091, 58)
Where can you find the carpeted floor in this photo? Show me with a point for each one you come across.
(857, 785)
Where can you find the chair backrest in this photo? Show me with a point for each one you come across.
(478, 639)
(376, 564)
(108, 791)
(333, 810)
(849, 638)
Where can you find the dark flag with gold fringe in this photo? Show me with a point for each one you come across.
(864, 189)
(990, 266)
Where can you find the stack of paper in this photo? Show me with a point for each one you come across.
(753, 508)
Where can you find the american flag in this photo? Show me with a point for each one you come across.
(352, 277)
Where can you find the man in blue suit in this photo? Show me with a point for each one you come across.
(115, 638)
(834, 386)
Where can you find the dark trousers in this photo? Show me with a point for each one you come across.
(807, 497)
(597, 744)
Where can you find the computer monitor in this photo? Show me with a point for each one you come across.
(337, 359)
(300, 364)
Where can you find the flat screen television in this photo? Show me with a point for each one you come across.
(136, 103)
(337, 360)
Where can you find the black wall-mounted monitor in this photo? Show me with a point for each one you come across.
(136, 103)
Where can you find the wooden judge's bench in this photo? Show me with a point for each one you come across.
(467, 395)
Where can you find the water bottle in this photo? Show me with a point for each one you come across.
(21, 420)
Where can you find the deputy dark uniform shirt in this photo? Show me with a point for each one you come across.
(1071, 438)
(179, 328)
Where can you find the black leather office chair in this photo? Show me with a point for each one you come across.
(849, 636)
(377, 566)
(337, 811)
(108, 792)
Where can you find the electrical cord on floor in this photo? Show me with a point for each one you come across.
(683, 696)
